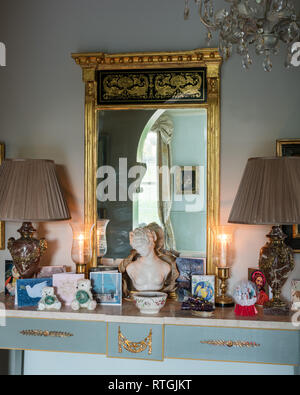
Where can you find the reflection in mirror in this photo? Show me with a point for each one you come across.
(152, 168)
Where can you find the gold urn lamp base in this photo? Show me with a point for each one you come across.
(27, 251)
(223, 300)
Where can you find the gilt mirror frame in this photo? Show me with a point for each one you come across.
(2, 223)
(209, 59)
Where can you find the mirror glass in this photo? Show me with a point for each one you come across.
(152, 167)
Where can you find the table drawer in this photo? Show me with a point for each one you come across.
(54, 335)
(232, 344)
(137, 341)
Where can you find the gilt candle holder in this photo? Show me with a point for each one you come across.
(81, 247)
(222, 260)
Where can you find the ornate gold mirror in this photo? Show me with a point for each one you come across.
(145, 111)
(2, 224)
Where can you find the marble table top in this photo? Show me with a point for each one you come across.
(171, 314)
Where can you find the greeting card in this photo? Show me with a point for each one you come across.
(65, 286)
(29, 291)
(204, 287)
(107, 287)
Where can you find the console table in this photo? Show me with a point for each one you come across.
(122, 332)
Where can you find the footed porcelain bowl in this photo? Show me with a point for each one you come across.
(150, 302)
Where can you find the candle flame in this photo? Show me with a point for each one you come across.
(223, 237)
(81, 237)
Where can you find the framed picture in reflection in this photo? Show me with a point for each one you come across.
(187, 180)
(290, 147)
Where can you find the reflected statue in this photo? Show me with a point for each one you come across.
(149, 267)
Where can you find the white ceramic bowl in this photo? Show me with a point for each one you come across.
(150, 302)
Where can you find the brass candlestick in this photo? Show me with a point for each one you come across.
(81, 247)
(224, 300)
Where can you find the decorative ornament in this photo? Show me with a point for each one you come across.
(49, 300)
(265, 25)
(83, 297)
(245, 296)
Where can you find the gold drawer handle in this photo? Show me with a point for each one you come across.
(36, 332)
(135, 347)
(230, 343)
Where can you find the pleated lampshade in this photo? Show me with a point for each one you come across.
(30, 192)
(269, 193)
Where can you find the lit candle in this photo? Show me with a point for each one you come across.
(81, 248)
(223, 238)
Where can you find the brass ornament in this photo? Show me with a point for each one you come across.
(177, 58)
(41, 333)
(152, 86)
(213, 87)
(118, 86)
(223, 300)
(230, 343)
(135, 347)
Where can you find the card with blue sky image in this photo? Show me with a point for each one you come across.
(107, 287)
(29, 291)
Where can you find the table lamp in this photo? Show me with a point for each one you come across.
(30, 192)
(269, 194)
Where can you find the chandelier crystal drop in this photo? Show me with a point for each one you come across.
(263, 24)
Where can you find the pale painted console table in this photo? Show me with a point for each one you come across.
(122, 332)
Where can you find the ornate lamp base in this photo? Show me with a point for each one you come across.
(26, 251)
(224, 300)
(276, 262)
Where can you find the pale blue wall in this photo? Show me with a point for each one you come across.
(189, 149)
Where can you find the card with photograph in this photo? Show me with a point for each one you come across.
(11, 277)
(258, 278)
(295, 295)
(107, 287)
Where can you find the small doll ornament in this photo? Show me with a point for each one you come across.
(49, 300)
(245, 296)
(83, 297)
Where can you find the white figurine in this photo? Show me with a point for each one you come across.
(83, 297)
(49, 300)
(148, 272)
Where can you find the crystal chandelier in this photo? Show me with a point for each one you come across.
(261, 23)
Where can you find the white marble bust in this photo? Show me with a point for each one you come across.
(148, 272)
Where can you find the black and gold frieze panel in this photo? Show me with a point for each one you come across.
(152, 86)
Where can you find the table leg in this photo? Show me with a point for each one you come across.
(16, 360)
